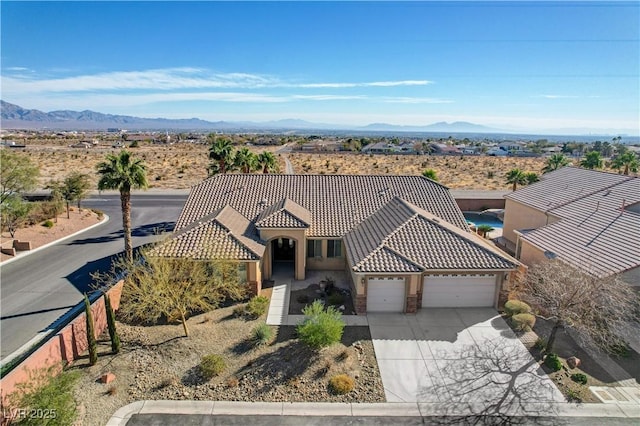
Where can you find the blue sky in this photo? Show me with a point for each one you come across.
(516, 65)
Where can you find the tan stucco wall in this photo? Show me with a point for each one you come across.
(298, 235)
(530, 254)
(519, 216)
(253, 271)
(327, 263)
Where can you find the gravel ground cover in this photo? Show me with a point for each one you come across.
(158, 363)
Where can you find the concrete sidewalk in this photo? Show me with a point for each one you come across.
(212, 408)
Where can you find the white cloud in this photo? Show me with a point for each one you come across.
(411, 100)
(556, 96)
(367, 84)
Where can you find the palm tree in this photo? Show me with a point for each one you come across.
(592, 161)
(484, 229)
(628, 161)
(246, 160)
(221, 154)
(516, 177)
(123, 172)
(555, 162)
(531, 177)
(267, 161)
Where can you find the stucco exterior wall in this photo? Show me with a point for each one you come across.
(479, 204)
(298, 235)
(519, 216)
(530, 254)
(325, 262)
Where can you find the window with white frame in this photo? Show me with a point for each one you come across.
(334, 248)
(314, 248)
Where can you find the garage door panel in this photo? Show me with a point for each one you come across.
(385, 294)
(449, 291)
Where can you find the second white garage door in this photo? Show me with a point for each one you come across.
(385, 294)
(458, 291)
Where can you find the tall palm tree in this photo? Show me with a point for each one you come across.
(267, 161)
(123, 172)
(592, 160)
(246, 160)
(531, 177)
(628, 161)
(555, 162)
(221, 155)
(516, 177)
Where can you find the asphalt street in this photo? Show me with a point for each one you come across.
(37, 289)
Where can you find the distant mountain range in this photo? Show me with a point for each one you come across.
(16, 117)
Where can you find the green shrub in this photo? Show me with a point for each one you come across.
(47, 392)
(579, 378)
(341, 384)
(553, 362)
(212, 365)
(514, 307)
(335, 299)
(320, 328)
(48, 223)
(257, 306)
(523, 322)
(540, 344)
(262, 335)
(240, 310)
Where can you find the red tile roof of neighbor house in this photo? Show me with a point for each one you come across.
(389, 223)
(595, 233)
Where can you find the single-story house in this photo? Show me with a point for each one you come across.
(587, 218)
(402, 240)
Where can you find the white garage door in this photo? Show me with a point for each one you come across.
(385, 294)
(458, 291)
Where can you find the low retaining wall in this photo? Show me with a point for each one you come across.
(479, 204)
(64, 346)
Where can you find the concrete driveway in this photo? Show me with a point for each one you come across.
(460, 359)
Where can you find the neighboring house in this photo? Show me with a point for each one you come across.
(511, 146)
(497, 152)
(402, 239)
(444, 149)
(587, 218)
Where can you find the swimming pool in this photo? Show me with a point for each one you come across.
(483, 219)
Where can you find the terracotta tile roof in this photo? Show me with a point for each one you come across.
(336, 203)
(401, 237)
(224, 234)
(594, 233)
(284, 214)
(563, 186)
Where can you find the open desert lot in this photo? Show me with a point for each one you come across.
(180, 166)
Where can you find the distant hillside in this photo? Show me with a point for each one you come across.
(458, 126)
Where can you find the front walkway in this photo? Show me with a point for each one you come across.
(284, 283)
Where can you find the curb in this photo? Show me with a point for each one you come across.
(104, 220)
(383, 409)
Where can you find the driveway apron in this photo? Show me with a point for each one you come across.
(458, 357)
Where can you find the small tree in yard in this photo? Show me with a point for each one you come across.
(111, 324)
(597, 309)
(91, 334)
(14, 211)
(176, 288)
(320, 327)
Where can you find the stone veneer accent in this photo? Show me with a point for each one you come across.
(361, 304)
(412, 304)
(419, 302)
(255, 287)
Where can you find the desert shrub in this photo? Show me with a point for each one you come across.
(540, 344)
(553, 362)
(47, 392)
(320, 328)
(514, 307)
(240, 310)
(257, 306)
(262, 335)
(99, 213)
(48, 223)
(335, 299)
(523, 322)
(341, 384)
(212, 365)
(573, 396)
(579, 378)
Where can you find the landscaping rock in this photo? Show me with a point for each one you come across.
(573, 362)
(107, 378)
